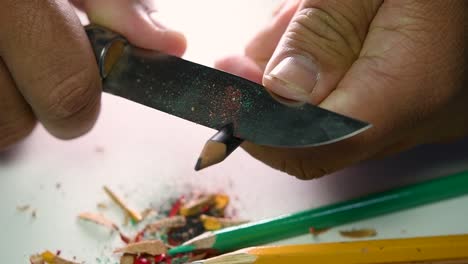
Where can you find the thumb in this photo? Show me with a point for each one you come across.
(320, 44)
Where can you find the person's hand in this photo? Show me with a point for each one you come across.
(47, 68)
(400, 65)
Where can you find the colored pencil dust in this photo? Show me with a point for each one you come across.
(164, 227)
(218, 148)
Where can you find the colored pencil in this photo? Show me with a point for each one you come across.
(437, 249)
(290, 225)
(218, 148)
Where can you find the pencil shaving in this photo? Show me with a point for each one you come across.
(148, 212)
(23, 208)
(135, 215)
(36, 259)
(359, 233)
(98, 219)
(168, 222)
(316, 232)
(127, 259)
(214, 223)
(195, 206)
(49, 258)
(102, 206)
(221, 201)
(150, 247)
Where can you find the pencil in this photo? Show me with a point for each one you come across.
(218, 148)
(438, 249)
(290, 225)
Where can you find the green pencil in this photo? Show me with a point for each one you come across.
(290, 225)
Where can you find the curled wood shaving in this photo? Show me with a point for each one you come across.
(195, 206)
(359, 233)
(168, 222)
(135, 215)
(150, 247)
(98, 219)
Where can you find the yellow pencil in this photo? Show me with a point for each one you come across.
(439, 249)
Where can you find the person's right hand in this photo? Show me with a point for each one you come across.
(400, 65)
(47, 68)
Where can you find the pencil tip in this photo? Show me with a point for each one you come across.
(198, 166)
(213, 152)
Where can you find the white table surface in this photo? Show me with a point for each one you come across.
(150, 156)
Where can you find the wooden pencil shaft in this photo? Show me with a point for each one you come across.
(438, 249)
(225, 136)
(257, 233)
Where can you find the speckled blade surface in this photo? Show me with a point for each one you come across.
(215, 99)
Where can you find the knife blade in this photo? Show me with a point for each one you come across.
(211, 97)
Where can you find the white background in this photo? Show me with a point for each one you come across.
(149, 156)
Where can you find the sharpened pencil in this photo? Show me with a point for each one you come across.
(218, 148)
(437, 249)
(290, 225)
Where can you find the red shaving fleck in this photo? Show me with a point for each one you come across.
(176, 207)
(58, 252)
(159, 258)
(141, 260)
(168, 260)
(124, 238)
(205, 209)
(139, 236)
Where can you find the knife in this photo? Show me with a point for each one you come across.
(211, 97)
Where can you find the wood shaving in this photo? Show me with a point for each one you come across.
(317, 232)
(126, 220)
(127, 259)
(36, 259)
(150, 247)
(214, 223)
(49, 258)
(102, 206)
(195, 206)
(168, 222)
(135, 215)
(23, 208)
(98, 219)
(359, 233)
(148, 212)
(221, 201)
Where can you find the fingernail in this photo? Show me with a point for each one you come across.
(293, 78)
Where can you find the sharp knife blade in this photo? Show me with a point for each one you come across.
(216, 99)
